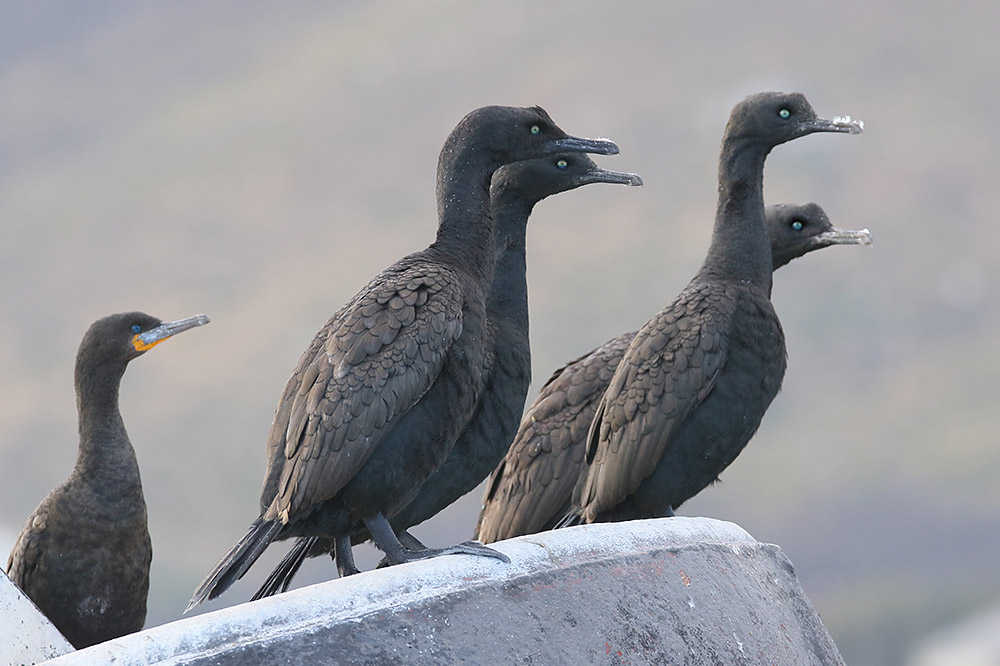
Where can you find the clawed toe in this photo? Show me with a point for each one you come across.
(475, 548)
(396, 553)
(466, 548)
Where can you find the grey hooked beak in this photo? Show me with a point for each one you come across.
(577, 145)
(599, 175)
(167, 329)
(843, 124)
(837, 236)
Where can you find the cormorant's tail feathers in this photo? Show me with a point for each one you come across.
(236, 562)
(282, 576)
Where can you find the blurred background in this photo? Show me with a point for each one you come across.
(260, 162)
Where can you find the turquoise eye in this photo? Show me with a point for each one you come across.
(785, 113)
(535, 129)
(797, 225)
(562, 164)
(136, 328)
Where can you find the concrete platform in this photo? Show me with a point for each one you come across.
(671, 591)
(26, 636)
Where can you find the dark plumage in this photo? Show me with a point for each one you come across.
(382, 393)
(695, 382)
(532, 487)
(83, 555)
(515, 190)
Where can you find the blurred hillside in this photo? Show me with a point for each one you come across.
(260, 162)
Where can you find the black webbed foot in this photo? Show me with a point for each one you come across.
(396, 553)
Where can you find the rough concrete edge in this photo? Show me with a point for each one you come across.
(28, 637)
(361, 595)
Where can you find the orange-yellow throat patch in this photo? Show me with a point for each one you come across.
(143, 346)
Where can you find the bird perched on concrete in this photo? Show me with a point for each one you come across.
(531, 489)
(696, 380)
(83, 555)
(515, 190)
(383, 391)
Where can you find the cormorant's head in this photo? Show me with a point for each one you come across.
(127, 335)
(773, 118)
(512, 134)
(797, 229)
(536, 179)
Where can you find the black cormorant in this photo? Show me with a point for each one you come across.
(386, 386)
(695, 382)
(530, 490)
(83, 555)
(515, 190)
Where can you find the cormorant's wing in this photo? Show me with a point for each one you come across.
(29, 546)
(532, 487)
(667, 371)
(375, 358)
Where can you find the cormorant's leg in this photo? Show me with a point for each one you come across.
(344, 557)
(669, 513)
(409, 542)
(386, 540)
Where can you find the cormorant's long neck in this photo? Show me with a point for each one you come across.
(465, 227)
(105, 455)
(740, 249)
(508, 296)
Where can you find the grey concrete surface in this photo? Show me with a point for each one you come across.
(26, 636)
(671, 591)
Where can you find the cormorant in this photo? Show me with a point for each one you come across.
(83, 555)
(695, 382)
(530, 490)
(386, 386)
(515, 190)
